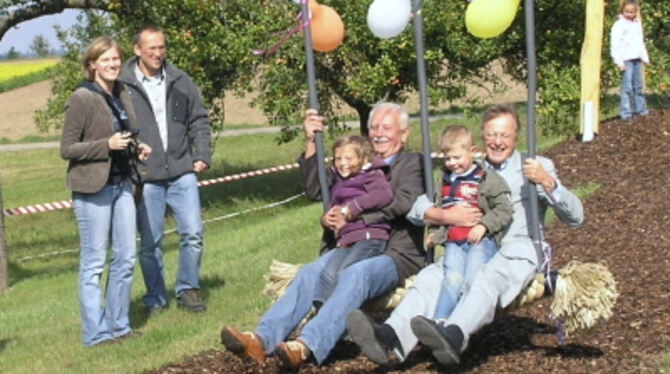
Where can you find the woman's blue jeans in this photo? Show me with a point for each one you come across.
(460, 263)
(109, 213)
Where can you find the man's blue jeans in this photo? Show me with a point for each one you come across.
(107, 213)
(460, 263)
(357, 283)
(631, 90)
(181, 195)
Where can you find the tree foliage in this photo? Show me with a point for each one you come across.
(365, 69)
(560, 29)
(203, 38)
(12, 54)
(68, 72)
(40, 45)
(13, 12)
(213, 41)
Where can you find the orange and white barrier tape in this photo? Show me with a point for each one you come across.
(248, 174)
(39, 208)
(67, 204)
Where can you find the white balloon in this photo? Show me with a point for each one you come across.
(388, 18)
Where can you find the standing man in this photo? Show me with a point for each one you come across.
(174, 122)
(498, 282)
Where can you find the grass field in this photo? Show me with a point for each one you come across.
(39, 315)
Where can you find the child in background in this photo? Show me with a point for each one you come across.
(629, 53)
(468, 248)
(360, 183)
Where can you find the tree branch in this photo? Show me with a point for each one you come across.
(340, 89)
(27, 10)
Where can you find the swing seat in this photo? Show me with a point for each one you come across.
(584, 294)
(281, 274)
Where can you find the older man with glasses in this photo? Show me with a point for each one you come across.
(497, 283)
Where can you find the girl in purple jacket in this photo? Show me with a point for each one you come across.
(360, 183)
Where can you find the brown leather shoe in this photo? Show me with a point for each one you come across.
(243, 344)
(292, 354)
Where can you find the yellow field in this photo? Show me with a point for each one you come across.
(16, 68)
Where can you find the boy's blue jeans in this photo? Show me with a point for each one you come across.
(631, 90)
(460, 263)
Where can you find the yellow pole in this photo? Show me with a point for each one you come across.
(590, 65)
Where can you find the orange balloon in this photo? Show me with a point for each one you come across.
(314, 8)
(327, 28)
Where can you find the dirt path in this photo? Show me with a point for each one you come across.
(17, 108)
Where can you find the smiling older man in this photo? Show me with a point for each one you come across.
(364, 280)
(498, 282)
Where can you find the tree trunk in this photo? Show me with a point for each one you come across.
(4, 275)
(362, 108)
(25, 10)
(363, 114)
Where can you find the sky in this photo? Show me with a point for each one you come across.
(21, 36)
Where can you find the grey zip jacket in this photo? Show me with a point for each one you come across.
(188, 125)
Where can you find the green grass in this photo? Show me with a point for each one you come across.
(40, 330)
(583, 192)
(39, 315)
(31, 139)
(665, 365)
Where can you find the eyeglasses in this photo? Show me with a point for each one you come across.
(496, 135)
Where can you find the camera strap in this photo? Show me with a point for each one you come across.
(114, 103)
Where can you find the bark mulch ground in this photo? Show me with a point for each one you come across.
(626, 226)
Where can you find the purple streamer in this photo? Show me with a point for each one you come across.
(287, 34)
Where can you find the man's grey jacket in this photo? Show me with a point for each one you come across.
(188, 126)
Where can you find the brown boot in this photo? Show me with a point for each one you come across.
(243, 344)
(292, 354)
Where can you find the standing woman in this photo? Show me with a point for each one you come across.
(97, 140)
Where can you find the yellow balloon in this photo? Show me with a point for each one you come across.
(490, 18)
